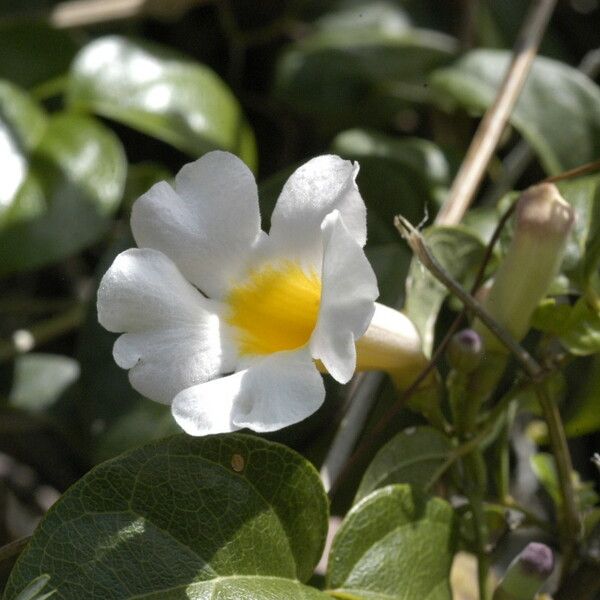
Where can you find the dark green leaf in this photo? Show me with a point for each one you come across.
(73, 184)
(230, 516)
(40, 379)
(460, 252)
(33, 52)
(554, 93)
(35, 590)
(162, 94)
(396, 544)
(350, 75)
(397, 175)
(390, 263)
(584, 417)
(581, 331)
(412, 456)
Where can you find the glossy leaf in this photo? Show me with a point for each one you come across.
(352, 75)
(162, 94)
(229, 516)
(460, 252)
(22, 124)
(412, 457)
(40, 379)
(395, 544)
(73, 184)
(554, 93)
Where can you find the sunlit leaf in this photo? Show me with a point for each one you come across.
(75, 173)
(222, 516)
(40, 379)
(161, 93)
(396, 544)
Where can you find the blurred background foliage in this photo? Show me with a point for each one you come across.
(94, 108)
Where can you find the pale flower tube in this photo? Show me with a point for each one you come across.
(227, 323)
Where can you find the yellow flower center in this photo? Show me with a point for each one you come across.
(275, 308)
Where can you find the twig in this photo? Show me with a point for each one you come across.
(492, 125)
(417, 244)
(518, 159)
(558, 440)
(360, 402)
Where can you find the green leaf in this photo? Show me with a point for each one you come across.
(584, 418)
(460, 253)
(581, 331)
(33, 52)
(390, 263)
(412, 456)
(232, 516)
(40, 379)
(22, 124)
(356, 75)
(395, 544)
(397, 175)
(544, 467)
(73, 183)
(582, 255)
(553, 93)
(162, 94)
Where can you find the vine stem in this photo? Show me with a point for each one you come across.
(558, 440)
(25, 340)
(492, 125)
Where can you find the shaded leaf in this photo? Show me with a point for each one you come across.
(35, 590)
(585, 416)
(397, 175)
(33, 52)
(184, 518)
(553, 93)
(395, 544)
(412, 457)
(162, 94)
(351, 75)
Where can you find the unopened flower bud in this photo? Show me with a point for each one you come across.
(526, 574)
(465, 350)
(543, 223)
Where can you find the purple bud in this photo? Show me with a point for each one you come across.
(465, 350)
(537, 559)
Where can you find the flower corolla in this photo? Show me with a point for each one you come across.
(227, 323)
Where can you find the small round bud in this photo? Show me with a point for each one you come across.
(537, 560)
(465, 350)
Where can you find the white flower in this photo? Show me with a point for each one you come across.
(225, 322)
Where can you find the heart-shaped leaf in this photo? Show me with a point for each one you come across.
(230, 516)
(396, 544)
(162, 94)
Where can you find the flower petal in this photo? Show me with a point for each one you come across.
(348, 294)
(207, 225)
(280, 390)
(174, 335)
(315, 189)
